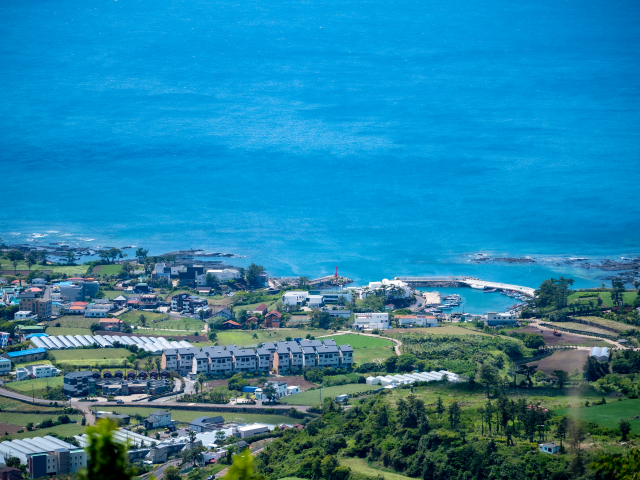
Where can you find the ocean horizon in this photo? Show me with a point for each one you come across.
(385, 138)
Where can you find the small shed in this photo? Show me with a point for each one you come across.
(342, 398)
(549, 447)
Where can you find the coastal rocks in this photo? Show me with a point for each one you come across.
(486, 259)
(201, 254)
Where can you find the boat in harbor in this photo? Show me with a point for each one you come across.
(490, 290)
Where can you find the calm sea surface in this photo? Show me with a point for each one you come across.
(384, 137)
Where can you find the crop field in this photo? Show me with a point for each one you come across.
(186, 324)
(312, 397)
(73, 321)
(107, 269)
(37, 386)
(133, 317)
(585, 297)
(581, 327)
(189, 415)
(360, 465)
(92, 356)
(22, 419)
(246, 337)
(68, 430)
(11, 404)
(440, 330)
(565, 338)
(609, 323)
(608, 415)
(365, 349)
(567, 360)
(67, 331)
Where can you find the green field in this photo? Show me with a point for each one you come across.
(628, 297)
(609, 323)
(608, 415)
(360, 465)
(440, 330)
(11, 404)
(133, 317)
(55, 331)
(80, 270)
(21, 419)
(107, 269)
(245, 337)
(581, 327)
(73, 321)
(111, 294)
(365, 349)
(68, 430)
(312, 397)
(189, 415)
(162, 321)
(36, 386)
(92, 356)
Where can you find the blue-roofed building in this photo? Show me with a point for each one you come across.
(30, 355)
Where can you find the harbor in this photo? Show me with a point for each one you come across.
(461, 281)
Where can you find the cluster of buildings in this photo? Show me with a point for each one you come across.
(153, 345)
(196, 275)
(408, 378)
(45, 456)
(279, 357)
(88, 383)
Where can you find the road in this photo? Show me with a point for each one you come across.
(159, 473)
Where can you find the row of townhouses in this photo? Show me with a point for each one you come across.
(280, 357)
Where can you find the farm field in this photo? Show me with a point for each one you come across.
(608, 415)
(581, 327)
(565, 338)
(107, 269)
(92, 356)
(22, 419)
(360, 465)
(68, 430)
(67, 331)
(567, 360)
(585, 297)
(133, 317)
(312, 397)
(365, 349)
(37, 386)
(11, 404)
(245, 337)
(72, 321)
(189, 415)
(441, 330)
(609, 323)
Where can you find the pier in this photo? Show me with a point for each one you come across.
(464, 282)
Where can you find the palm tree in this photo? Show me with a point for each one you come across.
(124, 365)
(158, 363)
(149, 365)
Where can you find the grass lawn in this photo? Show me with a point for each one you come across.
(74, 321)
(92, 356)
(251, 306)
(133, 317)
(22, 419)
(585, 297)
(111, 294)
(107, 269)
(11, 404)
(67, 331)
(609, 323)
(186, 324)
(440, 330)
(581, 327)
(37, 386)
(608, 415)
(68, 430)
(245, 337)
(360, 465)
(189, 415)
(312, 397)
(365, 349)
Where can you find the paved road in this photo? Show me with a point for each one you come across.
(159, 473)
(419, 304)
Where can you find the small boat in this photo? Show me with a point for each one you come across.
(490, 290)
(477, 287)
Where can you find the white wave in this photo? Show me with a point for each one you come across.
(37, 235)
(52, 231)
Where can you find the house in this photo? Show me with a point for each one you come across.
(390, 288)
(78, 384)
(225, 313)
(501, 319)
(549, 447)
(120, 301)
(272, 319)
(417, 320)
(36, 371)
(224, 274)
(252, 320)
(292, 390)
(251, 430)
(38, 306)
(72, 293)
(158, 419)
(281, 389)
(111, 324)
(230, 324)
(5, 366)
(191, 275)
(206, 424)
(25, 315)
(98, 310)
(10, 473)
(371, 321)
(260, 309)
(315, 301)
(119, 418)
(149, 301)
(294, 298)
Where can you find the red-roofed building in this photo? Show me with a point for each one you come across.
(231, 324)
(252, 320)
(272, 319)
(261, 309)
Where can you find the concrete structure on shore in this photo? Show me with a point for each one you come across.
(464, 282)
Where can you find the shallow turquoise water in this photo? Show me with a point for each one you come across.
(383, 137)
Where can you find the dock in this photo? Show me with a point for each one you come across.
(464, 282)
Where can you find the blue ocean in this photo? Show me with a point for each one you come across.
(383, 137)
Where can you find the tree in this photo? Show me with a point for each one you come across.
(253, 272)
(405, 362)
(242, 467)
(593, 370)
(143, 319)
(70, 257)
(625, 429)
(619, 468)
(220, 436)
(212, 280)
(172, 473)
(553, 292)
(454, 415)
(270, 392)
(107, 459)
(321, 320)
(488, 376)
(14, 256)
(617, 290)
(328, 465)
(32, 259)
(141, 254)
(561, 430)
(561, 377)
(13, 462)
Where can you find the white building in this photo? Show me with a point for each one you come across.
(251, 430)
(222, 275)
(392, 289)
(417, 320)
(25, 315)
(45, 456)
(315, 301)
(5, 366)
(293, 390)
(294, 298)
(550, 447)
(501, 319)
(36, 371)
(371, 321)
